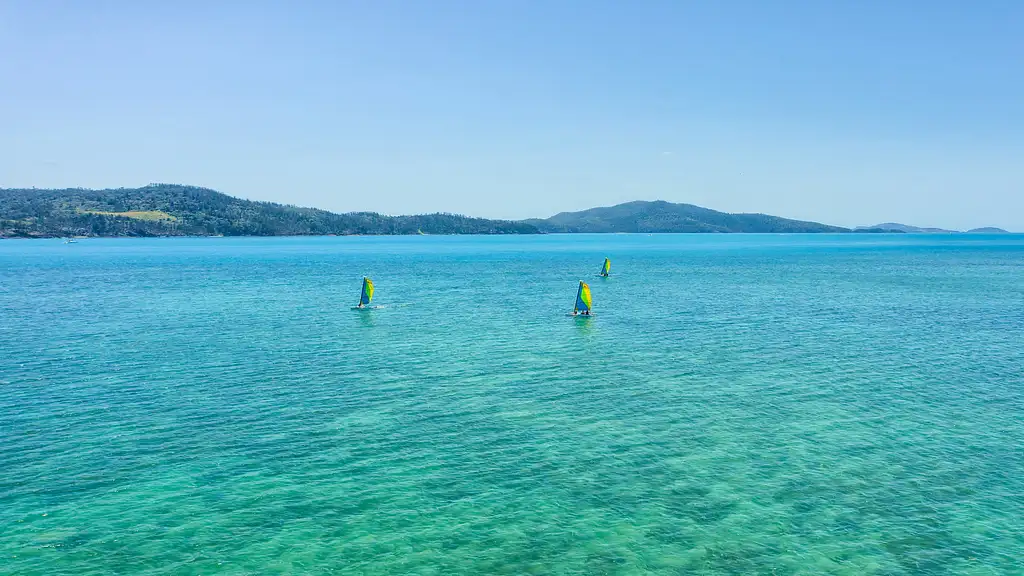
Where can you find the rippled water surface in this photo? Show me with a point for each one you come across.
(737, 405)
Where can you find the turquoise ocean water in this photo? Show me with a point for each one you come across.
(739, 404)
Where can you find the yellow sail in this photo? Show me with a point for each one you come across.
(583, 299)
(367, 293)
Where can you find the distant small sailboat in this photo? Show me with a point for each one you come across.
(366, 294)
(606, 268)
(70, 240)
(583, 300)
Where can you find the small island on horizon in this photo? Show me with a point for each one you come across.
(179, 210)
(896, 228)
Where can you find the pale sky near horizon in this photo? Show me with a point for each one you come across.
(844, 112)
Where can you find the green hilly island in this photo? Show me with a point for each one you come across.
(663, 216)
(175, 210)
(178, 210)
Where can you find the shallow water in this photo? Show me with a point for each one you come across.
(739, 404)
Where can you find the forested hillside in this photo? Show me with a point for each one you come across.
(174, 210)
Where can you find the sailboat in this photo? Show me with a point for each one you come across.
(70, 240)
(606, 267)
(365, 295)
(583, 300)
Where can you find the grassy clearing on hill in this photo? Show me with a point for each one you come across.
(152, 215)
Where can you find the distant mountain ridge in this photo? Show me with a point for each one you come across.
(897, 227)
(179, 210)
(661, 216)
(905, 228)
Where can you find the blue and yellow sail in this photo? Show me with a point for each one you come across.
(367, 294)
(606, 268)
(583, 300)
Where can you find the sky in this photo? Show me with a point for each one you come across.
(845, 112)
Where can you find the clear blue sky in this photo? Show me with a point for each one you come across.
(846, 112)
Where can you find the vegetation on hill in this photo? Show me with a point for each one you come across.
(174, 210)
(663, 216)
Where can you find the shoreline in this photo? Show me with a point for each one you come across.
(211, 236)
